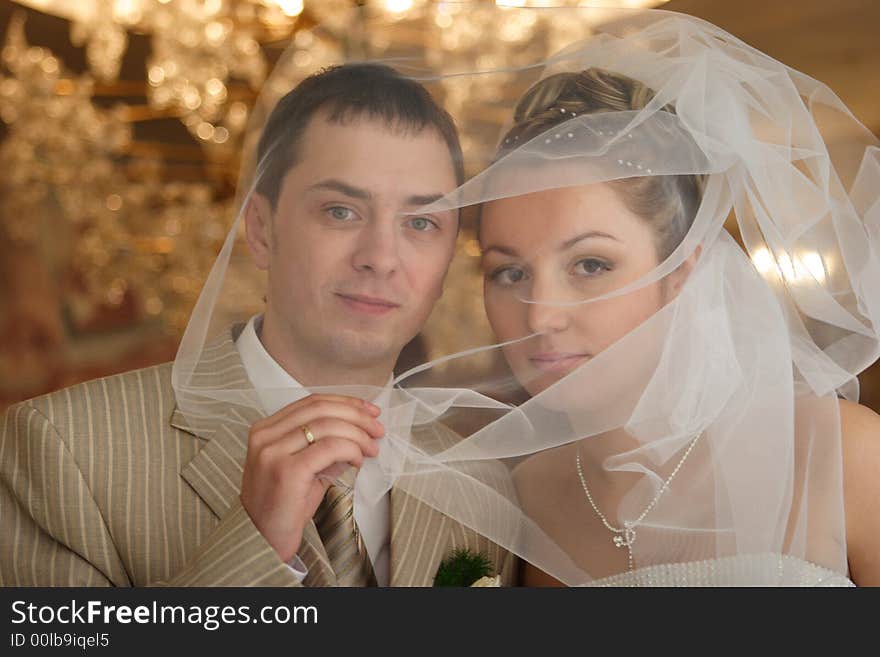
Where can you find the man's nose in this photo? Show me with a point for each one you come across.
(378, 248)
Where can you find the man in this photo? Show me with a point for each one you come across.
(108, 483)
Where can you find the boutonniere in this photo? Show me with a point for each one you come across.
(464, 568)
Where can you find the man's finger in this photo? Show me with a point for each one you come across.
(261, 434)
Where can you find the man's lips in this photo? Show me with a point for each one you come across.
(368, 305)
(557, 361)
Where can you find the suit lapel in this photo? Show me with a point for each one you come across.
(419, 540)
(422, 536)
(313, 554)
(215, 471)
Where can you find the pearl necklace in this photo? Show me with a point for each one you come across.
(625, 536)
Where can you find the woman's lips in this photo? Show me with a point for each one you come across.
(368, 305)
(557, 362)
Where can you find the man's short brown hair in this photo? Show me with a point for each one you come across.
(348, 92)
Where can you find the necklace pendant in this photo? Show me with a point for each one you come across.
(626, 539)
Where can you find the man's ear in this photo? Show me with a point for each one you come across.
(679, 277)
(258, 227)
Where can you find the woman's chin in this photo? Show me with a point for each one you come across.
(570, 395)
(536, 383)
(536, 380)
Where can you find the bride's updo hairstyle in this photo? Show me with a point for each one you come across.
(668, 203)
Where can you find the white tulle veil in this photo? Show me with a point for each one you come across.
(712, 426)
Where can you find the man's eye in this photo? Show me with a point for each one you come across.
(422, 224)
(507, 276)
(341, 213)
(591, 267)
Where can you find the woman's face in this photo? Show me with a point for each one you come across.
(561, 246)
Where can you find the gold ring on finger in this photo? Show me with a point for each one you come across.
(310, 437)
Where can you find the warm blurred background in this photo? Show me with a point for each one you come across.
(121, 122)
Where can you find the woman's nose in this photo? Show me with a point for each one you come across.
(546, 310)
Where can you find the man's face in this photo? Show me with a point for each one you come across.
(352, 276)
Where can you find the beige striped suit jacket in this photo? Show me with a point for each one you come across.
(106, 484)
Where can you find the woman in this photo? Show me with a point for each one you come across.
(544, 256)
(690, 410)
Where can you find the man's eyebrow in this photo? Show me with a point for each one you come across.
(423, 199)
(335, 185)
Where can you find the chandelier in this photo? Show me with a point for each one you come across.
(146, 218)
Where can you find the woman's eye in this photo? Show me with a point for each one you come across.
(591, 266)
(422, 224)
(507, 276)
(341, 213)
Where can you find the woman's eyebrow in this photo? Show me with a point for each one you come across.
(567, 244)
(506, 250)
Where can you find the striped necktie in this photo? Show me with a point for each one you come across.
(345, 548)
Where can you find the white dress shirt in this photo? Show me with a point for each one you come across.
(276, 388)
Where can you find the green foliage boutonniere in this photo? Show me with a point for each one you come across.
(464, 568)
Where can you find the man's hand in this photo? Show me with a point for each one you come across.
(281, 488)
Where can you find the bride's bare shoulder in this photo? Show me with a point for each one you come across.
(860, 436)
